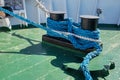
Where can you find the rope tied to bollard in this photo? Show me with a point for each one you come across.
(81, 39)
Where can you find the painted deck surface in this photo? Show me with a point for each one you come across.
(23, 56)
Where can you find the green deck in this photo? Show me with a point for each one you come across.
(23, 56)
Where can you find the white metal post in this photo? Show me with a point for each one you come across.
(118, 21)
(78, 10)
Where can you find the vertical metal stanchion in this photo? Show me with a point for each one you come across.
(118, 21)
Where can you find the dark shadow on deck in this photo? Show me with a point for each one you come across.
(78, 75)
(62, 57)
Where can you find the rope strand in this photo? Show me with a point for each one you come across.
(81, 39)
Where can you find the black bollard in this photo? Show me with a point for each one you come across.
(89, 22)
(57, 15)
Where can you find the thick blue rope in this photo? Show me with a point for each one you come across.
(69, 26)
(81, 44)
(87, 58)
(22, 18)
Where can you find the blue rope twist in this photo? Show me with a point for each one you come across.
(69, 26)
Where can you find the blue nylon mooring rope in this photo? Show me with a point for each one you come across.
(81, 44)
(22, 18)
(71, 27)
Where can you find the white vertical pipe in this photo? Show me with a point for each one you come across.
(118, 21)
(60, 5)
(24, 12)
(42, 10)
(35, 5)
(73, 9)
(38, 13)
(96, 6)
(78, 10)
(66, 8)
(49, 5)
(1, 2)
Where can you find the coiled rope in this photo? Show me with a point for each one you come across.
(81, 39)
